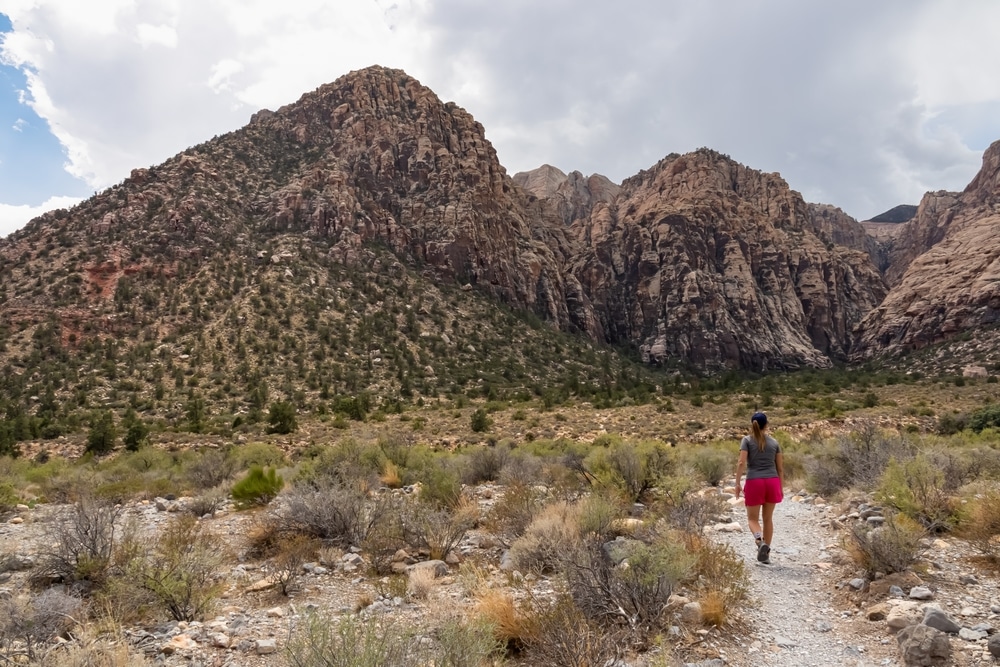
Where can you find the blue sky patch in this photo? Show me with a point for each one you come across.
(31, 159)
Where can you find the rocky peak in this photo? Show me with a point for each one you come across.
(703, 260)
(943, 274)
(567, 197)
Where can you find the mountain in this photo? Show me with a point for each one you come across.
(367, 239)
(944, 269)
(896, 214)
(704, 260)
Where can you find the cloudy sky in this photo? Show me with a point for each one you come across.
(859, 104)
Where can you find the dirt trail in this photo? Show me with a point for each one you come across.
(797, 623)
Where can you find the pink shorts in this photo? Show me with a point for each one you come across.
(763, 490)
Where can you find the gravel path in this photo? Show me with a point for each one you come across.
(798, 623)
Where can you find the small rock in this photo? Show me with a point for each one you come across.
(939, 620)
(971, 635)
(276, 612)
(691, 613)
(161, 504)
(969, 579)
(16, 520)
(438, 567)
(266, 646)
(994, 646)
(857, 583)
(783, 642)
(823, 626)
(179, 643)
(968, 611)
(21, 507)
(219, 640)
(896, 592)
(902, 614)
(878, 612)
(921, 593)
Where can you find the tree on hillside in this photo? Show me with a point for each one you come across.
(102, 435)
(282, 418)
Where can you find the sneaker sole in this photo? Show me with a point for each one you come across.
(763, 554)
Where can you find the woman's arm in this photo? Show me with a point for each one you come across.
(779, 463)
(741, 466)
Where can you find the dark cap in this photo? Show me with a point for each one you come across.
(760, 418)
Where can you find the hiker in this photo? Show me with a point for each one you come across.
(760, 458)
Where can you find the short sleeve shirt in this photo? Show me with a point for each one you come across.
(760, 464)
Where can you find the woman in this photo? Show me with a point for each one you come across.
(760, 458)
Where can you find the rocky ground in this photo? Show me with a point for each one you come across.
(810, 607)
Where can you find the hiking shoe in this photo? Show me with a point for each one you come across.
(764, 554)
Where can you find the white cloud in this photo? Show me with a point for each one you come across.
(859, 104)
(19, 125)
(13, 218)
(161, 35)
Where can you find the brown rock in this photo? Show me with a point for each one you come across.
(878, 612)
(923, 646)
(879, 588)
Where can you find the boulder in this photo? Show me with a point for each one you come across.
(936, 618)
(923, 646)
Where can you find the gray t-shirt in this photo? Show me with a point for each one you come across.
(760, 464)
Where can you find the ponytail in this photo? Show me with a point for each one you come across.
(758, 435)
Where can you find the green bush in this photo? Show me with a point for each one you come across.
(480, 421)
(631, 468)
(259, 487)
(281, 418)
(102, 434)
(713, 466)
(892, 547)
(350, 641)
(917, 488)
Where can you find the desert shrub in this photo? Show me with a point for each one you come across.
(440, 485)
(420, 582)
(630, 468)
(350, 641)
(84, 542)
(480, 421)
(720, 578)
(918, 489)
(985, 417)
(337, 514)
(562, 636)
(892, 547)
(27, 624)
(983, 527)
(511, 515)
(550, 536)
(439, 530)
(712, 466)
(685, 509)
(211, 468)
(281, 418)
(485, 464)
(8, 497)
(102, 434)
(259, 487)
(466, 644)
(350, 462)
(521, 468)
(207, 503)
(634, 592)
(179, 567)
(856, 460)
(497, 610)
(261, 454)
(286, 566)
(598, 515)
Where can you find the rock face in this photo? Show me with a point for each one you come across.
(568, 198)
(944, 271)
(704, 260)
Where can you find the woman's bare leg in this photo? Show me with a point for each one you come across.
(753, 519)
(768, 522)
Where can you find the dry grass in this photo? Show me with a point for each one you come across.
(420, 583)
(497, 608)
(553, 533)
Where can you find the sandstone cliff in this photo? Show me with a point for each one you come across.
(945, 271)
(703, 260)
(570, 197)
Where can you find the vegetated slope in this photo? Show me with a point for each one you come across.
(945, 269)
